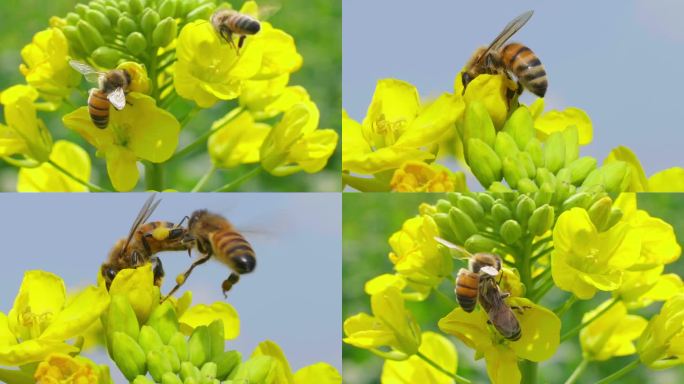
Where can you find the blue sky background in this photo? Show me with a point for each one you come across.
(293, 297)
(618, 60)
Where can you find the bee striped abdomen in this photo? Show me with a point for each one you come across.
(526, 66)
(232, 247)
(244, 25)
(467, 289)
(98, 108)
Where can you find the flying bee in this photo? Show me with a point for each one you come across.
(112, 88)
(478, 284)
(513, 58)
(144, 241)
(215, 236)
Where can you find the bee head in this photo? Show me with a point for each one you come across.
(109, 273)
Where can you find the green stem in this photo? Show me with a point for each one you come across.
(542, 289)
(528, 370)
(204, 179)
(199, 142)
(577, 328)
(190, 114)
(577, 372)
(154, 177)
(365, 185)
(443, 296)
(542, 253)
(560, 311)
(616, 375)
(15, 377)
(168, 100)
(436, 366)
(70, 175)
(237, 182)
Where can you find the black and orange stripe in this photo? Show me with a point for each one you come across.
(467, 284)
(232, 248)
(98, 108)
(243, 24)
(526, 66)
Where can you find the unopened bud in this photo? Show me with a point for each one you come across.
(544, 195)
(484, 162)
(128, 355)
(571, 139)
(255, 370)
(613, 218)
(477, 124)
(501, 213)
(99, 21)
(513, 171)
(81, 9)
(527, 186)
(136, 43)
(525, 160)
(524, 209)
(462, 224)
(520, 127)
(216, 335)
(599, 212)
(172, 357)
(510, 231)
(478, 243)
(443, 206)
(90, 37)
(617, 176)
(544, 176)
(121, 317)
(180, 344)
(140, 379)
(199, 346)
(106, 57)
(74, 39)
(188, 370)
(541, 220)
(202, 12)
(149, 21)
(534, 148)
(499, 187)
(157, 365)
(163, 319)
(136, 6)
(580, 169)
(167, 9)
(170, 378)
(226, 362)
(165, 32)
(149, 339)
(126, 26)
(486, 201)
(445, 228)
(504, 145)
(209, 369)
(579, 200)
(554, 152)
(112, 14)
(471, 207)
(72, 18)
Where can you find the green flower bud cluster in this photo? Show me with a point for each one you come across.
(158, 352)
(113, 31)
(497, 221)
(529, 165)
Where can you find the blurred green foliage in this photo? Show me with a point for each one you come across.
(316, 26)
(368, 221)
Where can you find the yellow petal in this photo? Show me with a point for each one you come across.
(122, 168)
(84, 309)
(202, 314)
(558, 121)
(383, 159)
(433, 122)
(365, 331)
(152, 132)
(138, 286)
(382, 282)
(669, 180)
(10, 142)
(393, 100)
(470, 328)
(279, 53)
(41, 297)
(502, 365)
(47, 178)
(314, 149)
(490, 90)
(540, 331)
(319, 373)
(7, 338)
(270, 348)
(639, 183)
(32, 351)
(434, 346)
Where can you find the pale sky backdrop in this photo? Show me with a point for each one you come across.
(293, 297)
(619, 60)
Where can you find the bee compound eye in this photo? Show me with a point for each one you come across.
(110, 273)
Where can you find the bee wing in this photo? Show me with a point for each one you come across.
(86, 70)
(144, 214)
(504, 320)
(508, 31)
(488, 269)
(117, 98)
(450, 245)
(268, 10)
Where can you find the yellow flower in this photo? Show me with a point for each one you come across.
(612, 333)
(267, 98)
(63, 369)
(668, 180)
(203, 314)
(415, 254)
(138, 287)
(662, 343)
(296, 143)
(209, 70)
(391, 326)
(658, 242)
(319, 373)
(641, 288)
(24, 133)
(237, 139)
(490, 90)
(396, 129)
(585, 260)
(40, 320)
(415, 176)
(558, 121)
(46, 65)
(139, 131)
(540, 336)
(46, 178)
(415, 370)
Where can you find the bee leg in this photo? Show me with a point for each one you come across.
(520, 309)
(241, 41)
(158, 271)
(504, 295)
(229, 282)
(184, 277)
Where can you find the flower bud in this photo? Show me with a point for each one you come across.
(484, 162)
(255, 370)
(128, 355)
(445, 227)
(170, 378)
(504, 145)
(188, 371)
(72, 18)
(545, 176)
(89, 36)
(554, 152)
(123, 6)
(106, 57)
(209, 369)
(510, 231)
(534, 148)
(443, 206)
(163, 319)
(216, 334)
(75, 45)
(140, 379)
(179, 343)
(471, 208)
(167, 9)
(186, 6)
(172, 357)
(96, 5)
(165, 32)
(149, 21)
(580, 169)
(453, 197)
(525, 160)
(527, 186)
(524, 209)
(613, 218)
(149, 339)
(226, 362)
(501, 213)
(541, 220)
(543, 195)
(600, 211)
(478, 243)
(499, 187)
(520, 127)
(98, 20)
(136, 43)
(121, 317)
(513, 171)
(580, 200)
(199, 346)
(461, 223)
(477, 124)
(486, 201)
(563, 191)
(203, 12)
(157, 364)
(571, 139)
(112, 14)
(81, 9)
(616, 176)
(136, 6)
(126, 26)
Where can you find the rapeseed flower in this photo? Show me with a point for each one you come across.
(558, 121)
(415, 370)
(641, 288)
(662, 343)
(265, 99)
(612, 334)
(137, 285)
(237, 140)
(415, 176)
(64, 369)
(24, 133)
(669, 180)
(491, 91)
(47, 178)
(279, 371)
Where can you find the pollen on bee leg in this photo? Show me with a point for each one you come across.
(180, 279)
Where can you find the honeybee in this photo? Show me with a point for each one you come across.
(228, 22)
(144, 241)
(215, 236)
(112, 88)
(513, 58)
(478, 284)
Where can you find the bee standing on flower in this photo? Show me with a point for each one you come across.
(215, 236)
(112, 87)
(478, 283)
(514, 58)
(228, 22)
(144, 241)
